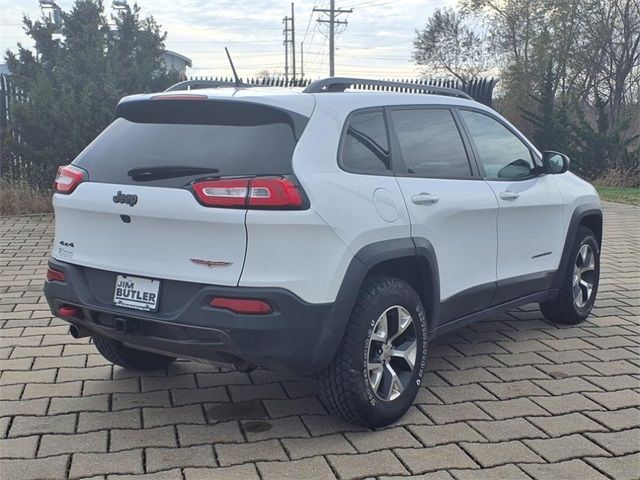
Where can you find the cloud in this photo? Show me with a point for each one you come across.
(377, 41)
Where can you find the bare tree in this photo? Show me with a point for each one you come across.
(613, 31)
(268, 74)
(447, 44)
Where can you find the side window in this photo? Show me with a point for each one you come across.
(365, 146)
(430, 143)
(502, 154)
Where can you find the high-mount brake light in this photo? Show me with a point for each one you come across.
(68, 178)
(180, 96)
(260, 192)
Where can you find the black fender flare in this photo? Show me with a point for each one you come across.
(578, 215)
(362, 263)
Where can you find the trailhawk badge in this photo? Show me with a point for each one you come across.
(211, 263)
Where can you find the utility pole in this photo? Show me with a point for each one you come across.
(286, 42)
(332, 12)
(301, 60)
(293, 42)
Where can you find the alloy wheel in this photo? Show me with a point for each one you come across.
(391, 356)
(584, 274)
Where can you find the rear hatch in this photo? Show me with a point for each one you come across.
(159, 190)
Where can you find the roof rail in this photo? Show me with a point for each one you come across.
(195, 84)
(340, 84)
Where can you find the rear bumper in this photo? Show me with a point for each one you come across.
(297, 336)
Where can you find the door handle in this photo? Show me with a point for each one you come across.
(507, 195)
(424, 199)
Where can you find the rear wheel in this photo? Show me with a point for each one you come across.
(377, 371)
(579, 284)
(118, 353)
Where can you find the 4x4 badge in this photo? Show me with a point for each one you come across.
(129, 199)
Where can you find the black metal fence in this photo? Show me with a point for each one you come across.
(480, 89)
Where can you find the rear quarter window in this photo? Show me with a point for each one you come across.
(364, 147)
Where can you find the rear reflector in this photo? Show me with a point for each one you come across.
(68, 178)
(54, 275)
(242, 305)
(260, 192)
(68, 312)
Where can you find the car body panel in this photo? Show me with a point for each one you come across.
(530, 227)
(461, 226)
(167, 234)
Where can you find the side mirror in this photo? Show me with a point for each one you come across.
(555, 162)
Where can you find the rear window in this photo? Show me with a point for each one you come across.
(430, 143)
(229, 138)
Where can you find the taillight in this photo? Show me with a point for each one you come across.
(274, 192)
(68, 178)
(260, 192)
(54, 275)
(242, 305)
(222, 193)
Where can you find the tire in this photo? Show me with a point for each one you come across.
(348, 387)
(129, 358)
(567, 308)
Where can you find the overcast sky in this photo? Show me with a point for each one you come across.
(377, 41)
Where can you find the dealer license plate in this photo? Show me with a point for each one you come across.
(135, 292)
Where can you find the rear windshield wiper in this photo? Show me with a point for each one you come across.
(146, 174)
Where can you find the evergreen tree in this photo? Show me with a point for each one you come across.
(70, 86)
(603, 146)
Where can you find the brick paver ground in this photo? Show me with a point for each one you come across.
(514, 397)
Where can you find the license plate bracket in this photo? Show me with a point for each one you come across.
(137, 293)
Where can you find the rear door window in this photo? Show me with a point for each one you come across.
(365, 145)
(430, 143)
(226, 138)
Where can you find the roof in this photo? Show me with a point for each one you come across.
(294, 99)
(346, 102)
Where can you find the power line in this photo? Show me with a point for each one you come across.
(321, 52)
(306, 32)
(373, 4)
(332, 13)
(311, 40)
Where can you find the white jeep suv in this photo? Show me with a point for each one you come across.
(327, 232)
